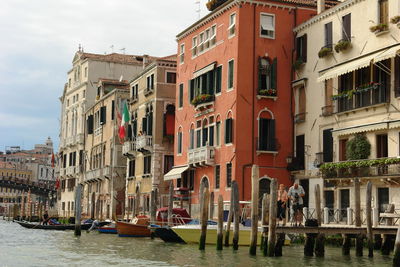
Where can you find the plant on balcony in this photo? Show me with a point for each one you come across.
(324, 51)
(345, 94)
(395, 20)
(297, 64)
(358, 148)
(367, 86)
(342, 45)
(379, 28)
(213, 4)
(200, 99)
(267, 92)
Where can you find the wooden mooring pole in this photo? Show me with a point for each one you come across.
(78, 212)
(272, 219)
(368, 201)
(320, 240)
(171, 203)
(229, 221)
(236, 215)
(254, 209)
(220, 222)
(264, 221)
(204, 218)
(357, 211)
(387, 239)
(346, 245)
(396, 255)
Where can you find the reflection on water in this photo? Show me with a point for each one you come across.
(27, 247)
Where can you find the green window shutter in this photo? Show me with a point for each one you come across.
(228, 131)
(274, 73)
(191, 93)
(218, 74)
(259, 74)
(181, 95)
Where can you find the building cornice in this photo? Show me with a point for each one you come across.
(327, 13)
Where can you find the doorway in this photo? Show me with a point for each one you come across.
(330, 203)
(344, 203)
(383, 199)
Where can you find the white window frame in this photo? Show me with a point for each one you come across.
(232, 25)
(207, 39)
(233, 76)
(194, 46)
(213, 35)
(272, 30)
(201, 42)
(182, 53)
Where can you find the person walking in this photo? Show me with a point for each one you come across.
(296, 194)
(282, 203)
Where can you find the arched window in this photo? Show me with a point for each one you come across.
(205, 132)
(229, 128)
(266, 131)
(218, 130)
(191, 138)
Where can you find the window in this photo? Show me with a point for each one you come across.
(201, 42)
(171, 77)
(85, 71)
(230, 73)
(346, 31)
(147, 121)
(266, 135)
(211, 135)
(397, 76)
(198, 134)
(131, 169)
(194, 46)
(267, 76)
(232, 23)
(207, 39)
(301, 48)
(69, 85)
(147, 164)
(342, 149)
(218, 133)
(134, 92)
(168, 163)
(217, 175)
(204, 84)
(228, 131)
(150, 82)
(228, 174)
(218, 79)
(84, 94)
(213, 35)
(180, 102)
(383, 11)
(382, 146)
(191, 141)
(327, 141)
(328, 109)
(267, 26)
(328, 35)
(205, 133)
(180, 141)
(300, 117)
(182, 54)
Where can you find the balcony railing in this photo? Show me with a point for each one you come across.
(144, 142)
(93, 174)
(201, 156)
(62, 171)
(128, 147)
(368, 96)
(267, 146)
(70, 170)
(362, 168)
(327, 110)
(301, 117)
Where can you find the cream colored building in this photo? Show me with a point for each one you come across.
(104, 178)
(335, 101)
(149, 147)
(79, 94)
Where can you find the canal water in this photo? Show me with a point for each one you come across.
(29, 247)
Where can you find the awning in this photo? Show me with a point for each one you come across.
(389, 53)
(175, 173)
(347, 67)
(204, 70)
(360, 128)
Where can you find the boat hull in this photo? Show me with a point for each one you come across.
(107, 230)
(60, 227)
(167, 235)
(125, 229)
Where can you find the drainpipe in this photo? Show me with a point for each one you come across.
(253, 103)
(292, 77)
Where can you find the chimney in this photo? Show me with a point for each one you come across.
(145, 60)
(320, 6)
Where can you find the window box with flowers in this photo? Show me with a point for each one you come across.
(396, 20)
(267, 93)
(324, 51)
(213, 4)
(342, 45)
(379, 29)
(298, 64)
(202, 99)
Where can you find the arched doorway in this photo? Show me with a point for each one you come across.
(264, 186)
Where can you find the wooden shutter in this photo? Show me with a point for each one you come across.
(328, 34)
(271, 136)
(134, 128)
(103, 115)
(342, 149)
(274, 73)
(129, 132)
(218, 79)
(302, 100)
(90, 124)
(144, 125)
(211, 136)
(150, 124)
(300, 151)
(191, 93)
(259, 74)
(180, 95)
(262, 134)
(112, 109)
(205, 136)
(304, 48)
(397, 76)
(383, 11)
(327, 140)
(228, 131)
(328, 92)
(346, 31)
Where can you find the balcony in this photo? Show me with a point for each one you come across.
(93, 174)
(63, 171)
(382, 167)
(361, 98)
(327, 110)
(70, 170)
(201, 102)
(144, 143)
(98, 131)
(128, 148)
(79, 139)
(301, 117)
(201, 156)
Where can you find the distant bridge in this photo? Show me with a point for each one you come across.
(38, 188)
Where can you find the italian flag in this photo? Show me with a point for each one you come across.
(124, 120)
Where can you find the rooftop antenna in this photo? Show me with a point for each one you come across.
(198, 10)
(112, 49)
(123, 50)
(80, 48)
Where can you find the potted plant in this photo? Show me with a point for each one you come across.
(200, 99)
(267, 92)
(381, 27)
(396, 20)
(213, 4)
(342, 45)
(324, 51)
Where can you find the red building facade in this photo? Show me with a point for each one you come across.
(234, 96)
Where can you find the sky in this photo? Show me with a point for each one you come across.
(39, 39)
